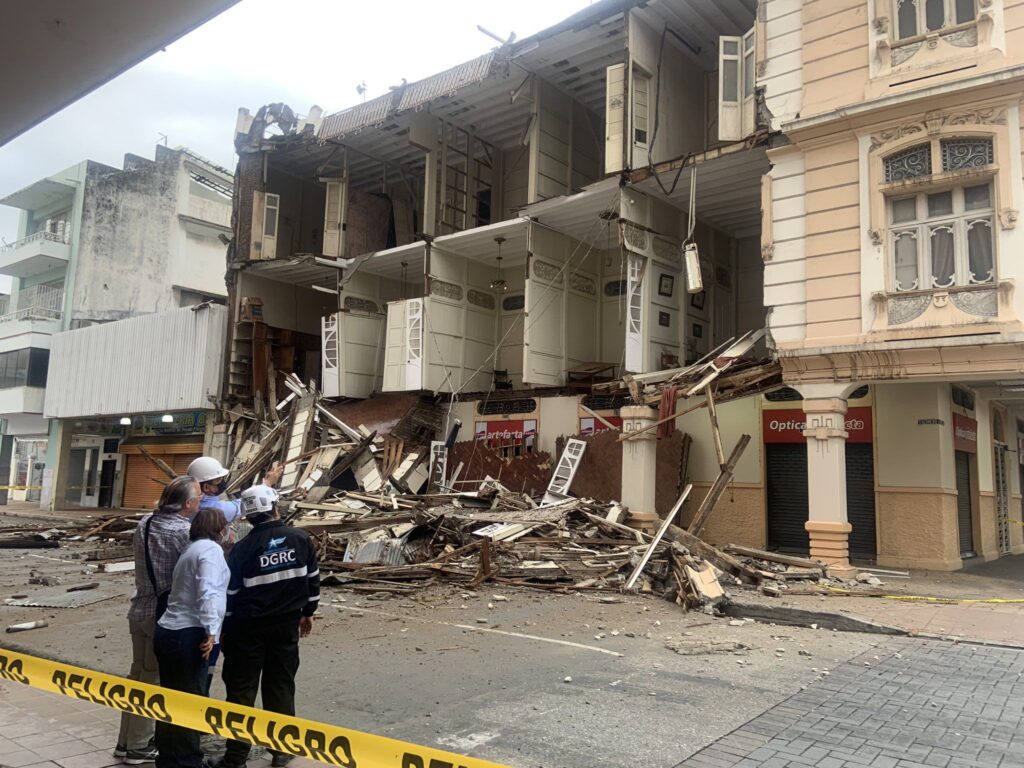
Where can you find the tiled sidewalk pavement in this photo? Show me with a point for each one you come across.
(922, 703)
(39, 729)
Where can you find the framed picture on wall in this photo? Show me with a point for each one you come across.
(664, 319)
(697, 300)
(698, 331)
(666, 285)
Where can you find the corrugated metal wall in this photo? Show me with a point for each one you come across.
(169, 361)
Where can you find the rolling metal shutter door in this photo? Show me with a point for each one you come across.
(786, 467)
(860, 500)
(963, 502)
(141, 490)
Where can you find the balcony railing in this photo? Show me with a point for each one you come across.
(40, 302)
(37, 237)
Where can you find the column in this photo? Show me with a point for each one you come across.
(824, 428)
(639, 459)
(6, 453)
(58, 462)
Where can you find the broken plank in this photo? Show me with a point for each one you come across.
(654, 543)
(721, 482)
(700, 548)
(773, 557)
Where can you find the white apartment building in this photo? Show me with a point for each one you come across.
(98, 244)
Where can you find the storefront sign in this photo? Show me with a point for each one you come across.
(182, 423)
(500, 434)
(591, 426)
(786, 425)
(965, 434)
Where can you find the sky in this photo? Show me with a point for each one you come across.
(302, 52)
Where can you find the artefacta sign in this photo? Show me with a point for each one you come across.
(965, 434)
(787, 425)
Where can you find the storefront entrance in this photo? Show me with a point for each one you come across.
(786, 481)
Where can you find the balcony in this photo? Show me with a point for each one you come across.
(34, 255)
(40, 302)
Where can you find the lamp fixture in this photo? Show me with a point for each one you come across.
(126, 421)
(498, 283)
(167, 418)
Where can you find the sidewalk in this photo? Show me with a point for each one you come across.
(39, 729)
(991, 622)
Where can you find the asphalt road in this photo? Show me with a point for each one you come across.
(650, 684)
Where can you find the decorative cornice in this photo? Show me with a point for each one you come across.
(933, 122)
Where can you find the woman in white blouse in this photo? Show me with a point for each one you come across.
(189, 628)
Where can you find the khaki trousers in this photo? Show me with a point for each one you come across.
(136, 731)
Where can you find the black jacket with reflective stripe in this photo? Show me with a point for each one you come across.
(274, 574)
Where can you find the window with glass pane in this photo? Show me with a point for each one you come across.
(942, 239)
(918, 17)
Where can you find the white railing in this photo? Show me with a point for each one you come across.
(38, 236)
(40, 302)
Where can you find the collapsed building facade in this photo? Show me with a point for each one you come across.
(503, 241)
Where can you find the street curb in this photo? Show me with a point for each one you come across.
(802, 617)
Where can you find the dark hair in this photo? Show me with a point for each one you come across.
(207, 523)
(177, 494)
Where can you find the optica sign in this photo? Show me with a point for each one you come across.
(786, 425)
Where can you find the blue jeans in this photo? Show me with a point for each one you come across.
(183, 668)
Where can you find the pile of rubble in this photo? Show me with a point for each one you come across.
(390, 517)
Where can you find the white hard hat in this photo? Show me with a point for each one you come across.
(258, 500)
(205, 469)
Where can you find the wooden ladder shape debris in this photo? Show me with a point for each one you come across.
(568, 463)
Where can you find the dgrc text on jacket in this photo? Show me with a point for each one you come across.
(274, 574)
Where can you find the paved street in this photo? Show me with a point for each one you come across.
(929, 703)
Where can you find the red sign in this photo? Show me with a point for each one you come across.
(965, 434)
(505, 433)
(786, 425)
(591, 426)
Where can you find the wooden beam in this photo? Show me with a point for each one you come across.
(676, 415)
(715, 431)
(718, 558)
(724, 478)
(631, 581)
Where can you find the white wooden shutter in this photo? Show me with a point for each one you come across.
(544, 335)
(615, 117)
(730, 88)
(272, 207)
(329, 355)
(403, 346)
(259, 210)
(641, 118)
(749, 81)
(332, 218)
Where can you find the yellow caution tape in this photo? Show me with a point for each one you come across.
(324, 743)
(925, 598)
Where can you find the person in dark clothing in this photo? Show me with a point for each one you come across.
(272, 596)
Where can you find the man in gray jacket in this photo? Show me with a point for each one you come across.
(163, 534)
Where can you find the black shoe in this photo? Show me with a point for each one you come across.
(140, 756)
(120, 750)
(281, 759)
